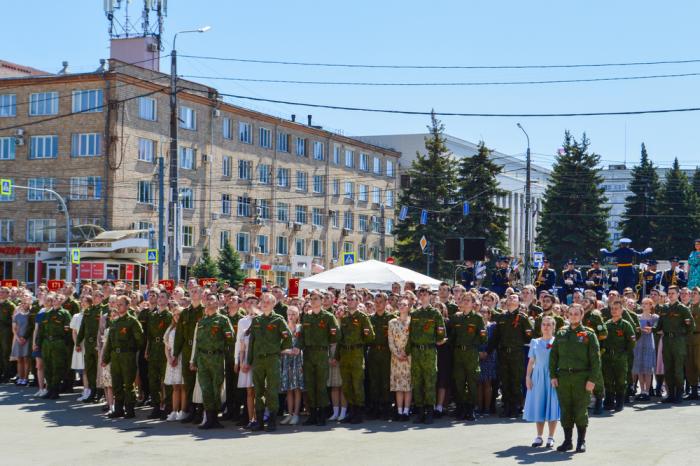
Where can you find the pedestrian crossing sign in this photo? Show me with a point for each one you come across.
(152, 256)
(75, 256)
(6, 187)
(348, 258)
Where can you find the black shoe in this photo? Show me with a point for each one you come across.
(619, 403)
(537, 443)
(567, 445)
(373, 412)
(609, 403)
(320, 417)
(678, 399)
(155, 413)
(208, 423)
(48, 394)
(598, 408)
(349, 415)
(243, 421)
(420, 415)
(54, 395)
(92, 398)
(190, 415)
(129, 411)
(469, 414)
(198, 414)
(581, 440)
(357, 415)
(693, 395)
(258, 425)
(428, 415)
(312, 419)
(505, 411)
(118, 410)
(213, 415)
(271, 423)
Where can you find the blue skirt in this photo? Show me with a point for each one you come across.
(541, 403)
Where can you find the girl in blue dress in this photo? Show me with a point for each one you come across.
(541, 402)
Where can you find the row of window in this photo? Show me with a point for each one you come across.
(82, 188)
(47, 103)
(46, 146)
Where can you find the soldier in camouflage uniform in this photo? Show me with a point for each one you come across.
(184, 338)
(7, 310)
(89, 328)
(547, 301)
(615, 354)
(235, 397)
(157, 323)
(593, 319)
(379, 361)
(54, 334)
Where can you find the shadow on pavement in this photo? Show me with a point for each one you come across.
(529, 455)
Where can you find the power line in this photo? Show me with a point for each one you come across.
(459, 67)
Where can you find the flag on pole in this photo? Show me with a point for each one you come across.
(465, 209)
(423, 217)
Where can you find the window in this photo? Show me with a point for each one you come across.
(374, 252)
(335, 187)
(363, 191)
(86, 145)
(317, 216)
(148, 109)
(140, 225)
(8, 105)
(362, 222)
(186, 159)
(7, 148)
(316, 247)
(242, 242)
(349, 220)
(187, 236)
(389, 198)
(147, 150)
(36, 184)
(300, 214)
(336, 154)
(283, 142)
(334, 218)
(390, 168)
(266, 138)
(12, 196)
(362, 251)
(40, 230)
(282, 246)
(88, 101)
(375, 224)
(334, 250)
(7, 230)
(376, 195)
(186, 198)
(224, 238)
(349, 158)
(300, 247)
(227, 128)
(243, 206)
(226, 204)
(145, 192)
(85, 187)
(226, 165)
(302, 181)
(348, 246)
(283, 177)
(43, 103)
(188, 118)
(300, 145)
(245, 169)
(364, 162)
(389, 226)
(264, 244)
(318, 150)
(264, 209)
(43, 147)
(282, 212)
(349, 188)
(265, 173)
(318, 184)
(377, 166)
(245, 132)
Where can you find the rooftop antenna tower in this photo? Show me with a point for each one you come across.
(122, 27)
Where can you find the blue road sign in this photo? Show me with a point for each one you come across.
(423, 217)
(256, 264)
(465, 209)
(152, 256)
(403, 213)
(348, 258)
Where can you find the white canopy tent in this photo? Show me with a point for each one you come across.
(371, 274)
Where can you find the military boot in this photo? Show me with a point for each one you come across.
(320, 417)
(429, 415)
(469, 413)
(271, 423)
(567, 445)
(598, 408)
(129, 412)
(693, 393)
(312, 419)
(118, 410)
(155, 413)
(619, 402)
(581, 440)
(258, 425)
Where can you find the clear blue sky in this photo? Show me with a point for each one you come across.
(434, 32)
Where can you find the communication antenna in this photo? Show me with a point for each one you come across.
(152, 17)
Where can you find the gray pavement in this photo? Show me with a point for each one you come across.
(66, 432)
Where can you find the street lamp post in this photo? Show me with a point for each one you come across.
(528, 208)
(174, 259)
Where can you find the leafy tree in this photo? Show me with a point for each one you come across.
(678, 215)
(640, 220)
(205, 267)
(478, 185)
(432, 187)
(573, 219)
(229, 263)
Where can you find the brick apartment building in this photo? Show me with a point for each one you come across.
(281, 192)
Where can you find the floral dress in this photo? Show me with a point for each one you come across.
(291, 367)
(400, 378)
(694, 275)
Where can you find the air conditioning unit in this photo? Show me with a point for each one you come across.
(258, 221)
(216, 113)
(290, 225)
(297, 226)
(19, 137)
(345, 232)
(152, 48)
(215, 215)
(206, 231)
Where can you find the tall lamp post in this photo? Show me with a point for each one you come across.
(174, 261)
(528, 209)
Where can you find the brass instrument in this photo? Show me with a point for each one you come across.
(640, 282)
(538, 280)
(674, 279)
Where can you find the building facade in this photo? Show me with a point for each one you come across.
(512, 179)
(285, 194)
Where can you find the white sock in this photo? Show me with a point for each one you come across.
(405, 410)
(343, 411)
(438, 408)
(399, 409)
(336, 409)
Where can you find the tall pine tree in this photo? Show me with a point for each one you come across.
(432, 187)
(678, 215)
(640, 220)
(205, 267)
(573, 219)
(229, 263)
(477, 184)
(696, 181)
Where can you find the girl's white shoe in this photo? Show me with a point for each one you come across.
(172, 416)
(294, 421)
(550, 442)
(181, 415)
(286, 419)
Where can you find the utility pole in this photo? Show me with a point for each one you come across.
(161, 216)
(382, 233)
(528, 209)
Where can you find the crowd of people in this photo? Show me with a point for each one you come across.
(202, 354)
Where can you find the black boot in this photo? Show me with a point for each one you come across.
(208, 422)
(678, 399)
(155, 413)
(567, 445)
(670, 395)
(373, 412)
(312, 419)
(55, 394)
(198, 414)
(190, 415)
(350, 414)
(357, 416)
(469, 413)
(386, 411)
(428, 415)
(244, 420)
(598, 408)
(609, 403)
(693, 393)
(505, 410)
(259, 422)
(129, 412)
(271, 423)
(619, 402)
(48, 395)
(213, 418)
(459, 411)
(320, 417)
(420, 415)
(118, 410)
(581, 440)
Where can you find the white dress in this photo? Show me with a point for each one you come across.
(78, 361)
(245, 379)
(173, 375)
(106, 371)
